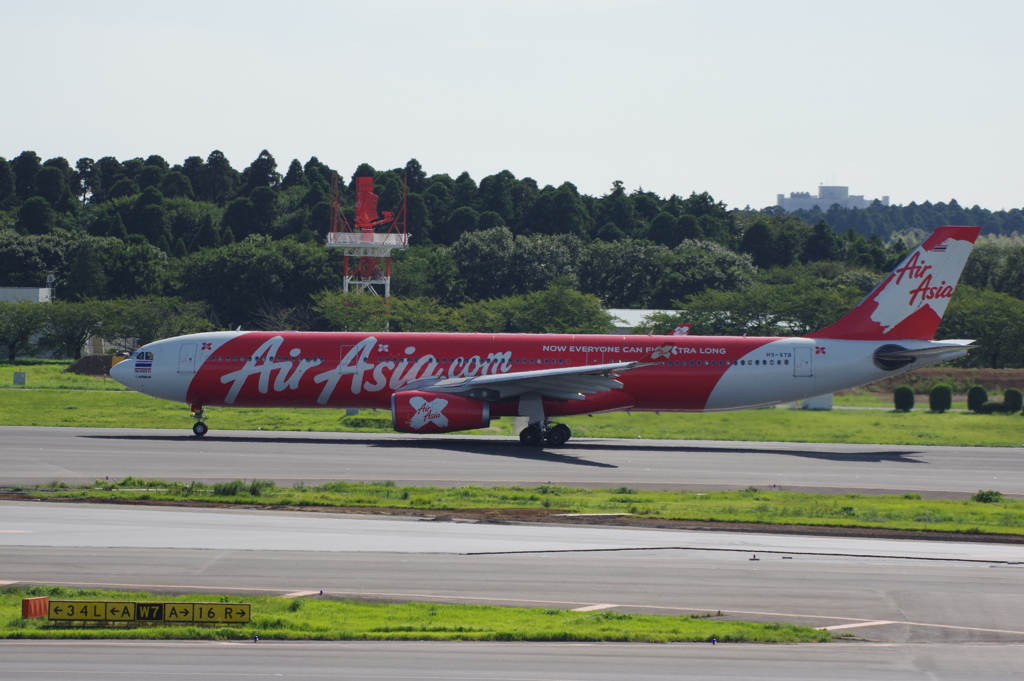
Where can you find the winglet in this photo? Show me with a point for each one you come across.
(910, 302)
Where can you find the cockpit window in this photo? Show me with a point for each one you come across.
(144, 355)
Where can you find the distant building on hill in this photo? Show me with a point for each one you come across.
(827, 195)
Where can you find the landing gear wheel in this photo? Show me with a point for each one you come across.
(200, 429)
(558, 435)
(531, 436)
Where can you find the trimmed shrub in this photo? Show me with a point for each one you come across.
(1014, 400)
(940, 399)
(903, 398)
(976, 397)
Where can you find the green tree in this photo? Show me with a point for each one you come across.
(712, 218)
(423, 314)
(976, 396)
(88, 180)
(903, 398)
(217, 181)
(664, 230)
(822, 244)
(557, 211)
(995, 321)
(36, 216)
(241, 218)
(465, 191)
(295, 176)
(264, 203)
(427, 272)
(8, 196)
(85, 276)
(618, 209)
(124, 187)
(462, 221)
(1013, 400)
(483, 260)
(26, 259)
(495, 194)
(697, 266)
(175, 184)
(50, 183)
(151, 176)
(131, 322)
(70, 324)
(133, 269)
(25, 166)
(559, 308)
(352, 311)
(243, 281)
(415, 178)
(261, 173)
(622, 274)
(940, 399)
(19, 322)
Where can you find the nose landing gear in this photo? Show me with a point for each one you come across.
(199, 428)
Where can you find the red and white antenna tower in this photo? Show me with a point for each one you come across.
(367, 250)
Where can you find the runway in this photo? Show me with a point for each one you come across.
(887, 590)
(934, 610)
(81, 455)
(176, 660)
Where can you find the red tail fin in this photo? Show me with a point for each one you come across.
(910, 303)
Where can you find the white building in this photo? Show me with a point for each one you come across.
(827, 195)
(627, 320)
(11, 294)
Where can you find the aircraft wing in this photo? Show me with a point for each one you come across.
(562, 383)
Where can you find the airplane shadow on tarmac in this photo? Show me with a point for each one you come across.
(488, 447)
(573, 452)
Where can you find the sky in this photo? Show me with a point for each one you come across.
(744, 99)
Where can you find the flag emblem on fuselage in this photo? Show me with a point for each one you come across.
(143, 366)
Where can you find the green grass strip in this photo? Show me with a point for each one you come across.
(53, 398)
(989, 514)
(121, 409)
(328, 620)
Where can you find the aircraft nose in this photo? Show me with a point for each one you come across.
(122, 370)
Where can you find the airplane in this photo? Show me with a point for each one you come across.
(447, 382)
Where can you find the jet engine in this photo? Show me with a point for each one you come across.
(415, 411)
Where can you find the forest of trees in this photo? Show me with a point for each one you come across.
(220, 248)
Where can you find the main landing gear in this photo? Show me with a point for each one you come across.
(540, 430)
(556, 436)
(199, 414)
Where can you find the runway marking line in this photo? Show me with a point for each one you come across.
(300, 594)
(591, 608)
(854, 626)
(626, 549)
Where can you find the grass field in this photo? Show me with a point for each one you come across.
(53, 398)
(122, 409)
(328, 620)
(987, 514)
